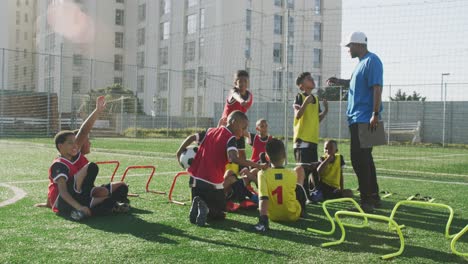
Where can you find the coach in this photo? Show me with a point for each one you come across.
(364, 107)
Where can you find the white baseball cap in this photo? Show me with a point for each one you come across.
(356, 37)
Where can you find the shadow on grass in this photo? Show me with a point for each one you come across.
(371, 241)
(156, 232)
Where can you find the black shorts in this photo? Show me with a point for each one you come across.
(213, 197)
(239, 192)
(83, 198)
(330, 192)
(306, 155)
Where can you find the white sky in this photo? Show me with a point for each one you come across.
(416, 41)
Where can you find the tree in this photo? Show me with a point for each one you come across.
(401, 96)
(117, 95)
(332, 93)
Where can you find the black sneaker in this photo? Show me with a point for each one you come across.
(260, 227)
(77, 215)
(121, 208)
(203, 211)
(367, 207)
(194, 209)
(376, 201)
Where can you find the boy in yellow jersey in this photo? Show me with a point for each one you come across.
(282, 196)
(330, 171)
(307, 117)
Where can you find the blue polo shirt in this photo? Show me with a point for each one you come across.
(368, 72)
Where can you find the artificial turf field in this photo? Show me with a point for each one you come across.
(156, 231)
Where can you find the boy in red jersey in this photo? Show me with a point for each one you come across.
(239, 99)
(71, 189)
(217, 148)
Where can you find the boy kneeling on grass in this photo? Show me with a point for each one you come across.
(282, 196)
(207, 182)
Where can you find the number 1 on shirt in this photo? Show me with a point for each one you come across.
(279, 192)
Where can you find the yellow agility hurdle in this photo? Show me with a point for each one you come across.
(439, 205)
(454, 240)
(371, 216)
(339, 200)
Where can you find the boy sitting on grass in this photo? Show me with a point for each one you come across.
(282, 196)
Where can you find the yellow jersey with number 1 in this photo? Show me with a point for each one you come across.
(279, 186)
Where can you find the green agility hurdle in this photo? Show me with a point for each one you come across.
(339, 200)
(454, 240)
(438, 205)
(365, 216)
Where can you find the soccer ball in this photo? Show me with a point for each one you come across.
(186, 158)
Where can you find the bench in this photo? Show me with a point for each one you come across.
(405, 128)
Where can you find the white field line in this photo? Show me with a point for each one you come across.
(435, 157)
(19, 194)
(99, 177)
(425, 172)
(418, 180)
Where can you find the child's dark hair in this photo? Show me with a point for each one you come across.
(236, 115)
(275, 150)
(241, 73)
(301, 78)
(334, 143)
(61, 137)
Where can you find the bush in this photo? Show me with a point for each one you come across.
(160, 132)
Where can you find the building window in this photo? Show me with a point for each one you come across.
(118, 62)
(189, 51)
(119, 1)
(247, 48)
(25, 53)
(201, 47)
(189, 79)
(119, 39)
(118, 80)
(140, 83)
(279, 3)
(201, 77)
(188, 105)
(277, 52)
(140, 59)
(77, 59)
(277, 80)
(25, 35)
(25, 71)
(290, 54)
(290, 4)
(317, 58)
(291, 81)
(291, 26)
(318, 31)
(141, 12)
(165, 7)
(164, 30)
(26, 2)
(318, 7)
(119, 17)
(163, 56)
(18, 3)
(76, 86)
(161, 105)
(191, 3)
(18, 32)
(248, 20)
(18, 17)
(191, 24)
(141, 35)
(278, 27)
(202, 18)
(163, 81)
(26, 19)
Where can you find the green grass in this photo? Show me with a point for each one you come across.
(157, 231)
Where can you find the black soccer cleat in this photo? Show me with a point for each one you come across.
(203, 211)
(194, 210)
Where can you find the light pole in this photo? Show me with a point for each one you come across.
(445, 108)
(442, 85)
